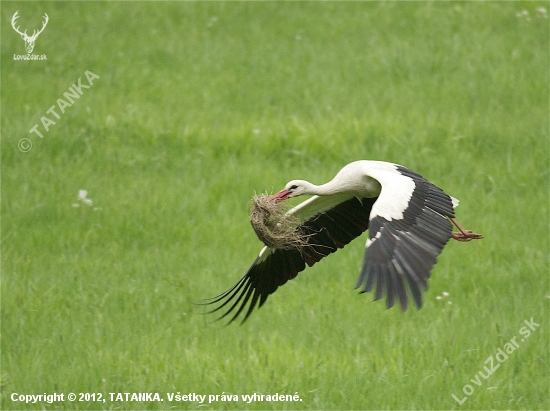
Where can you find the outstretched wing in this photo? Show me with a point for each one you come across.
(329, 222)
(408, 230)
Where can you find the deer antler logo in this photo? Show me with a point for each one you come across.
(29, 40)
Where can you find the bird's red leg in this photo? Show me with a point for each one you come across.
(464, 235)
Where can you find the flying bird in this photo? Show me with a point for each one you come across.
(409, 221)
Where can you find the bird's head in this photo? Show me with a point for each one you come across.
(293, 188)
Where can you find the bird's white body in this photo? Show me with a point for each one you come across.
(408, 222)
(365, 179)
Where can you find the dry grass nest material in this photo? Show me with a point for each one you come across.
(274, 227)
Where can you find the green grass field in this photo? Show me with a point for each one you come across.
(198, 106)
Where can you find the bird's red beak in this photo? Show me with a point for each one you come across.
(280, 196)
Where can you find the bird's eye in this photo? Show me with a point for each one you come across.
(294, 187)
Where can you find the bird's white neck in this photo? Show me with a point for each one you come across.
(352, 180)
(358, 186)
(327, 189)
(337, 186)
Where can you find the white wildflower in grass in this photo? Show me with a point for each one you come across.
(523, 14)
(82, 194)
(82, 198)
(442, 298)
(542, 12)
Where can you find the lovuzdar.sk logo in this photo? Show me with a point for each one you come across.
(29, 40)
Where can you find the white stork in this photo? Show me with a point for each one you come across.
(409, 221)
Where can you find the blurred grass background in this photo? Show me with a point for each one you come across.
(201, 104)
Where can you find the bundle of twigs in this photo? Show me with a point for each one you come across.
(274, 226)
